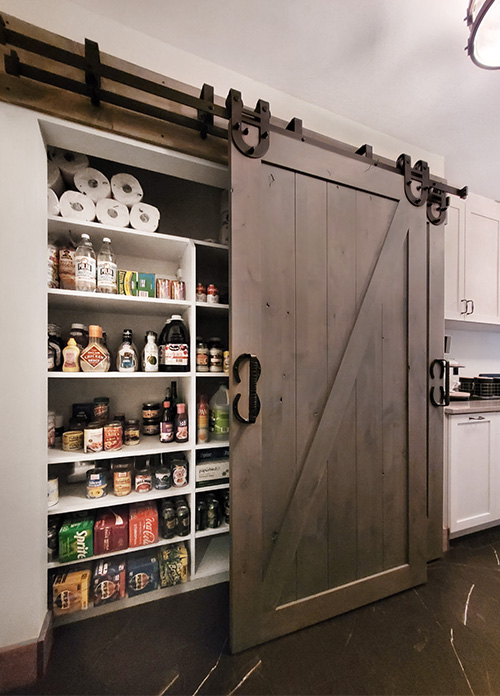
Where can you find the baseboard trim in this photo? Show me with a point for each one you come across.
(22, 664)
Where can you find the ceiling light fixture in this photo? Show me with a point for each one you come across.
(483, 20)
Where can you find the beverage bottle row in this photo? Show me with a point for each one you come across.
(93, 273)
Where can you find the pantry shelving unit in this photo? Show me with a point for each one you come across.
(188, 193)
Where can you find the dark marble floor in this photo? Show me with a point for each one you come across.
(441, 638)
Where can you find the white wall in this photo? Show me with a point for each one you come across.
(478, 351)
(23, 424)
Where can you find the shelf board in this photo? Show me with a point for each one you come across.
(117, 375)
(212, 555)
(212, 307)
(213, 245)
(73, 498)
(222, 529)
(124, 304)
(213, 445)
(211, 374)
(126, 240)
(145, 447)
(208, 489)
(130, 549)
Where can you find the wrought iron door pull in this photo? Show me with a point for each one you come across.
(444, 374)
(253, 397)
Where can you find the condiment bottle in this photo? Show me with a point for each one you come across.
(55, 340)
(150, 353)
(95, 357)
(173, 346)
(85, 265)
(106, 269)
(71, 355)
(81, 335)
(202, 420)
(167, 424)
(201, 355)
(181, 424)
(126, 357)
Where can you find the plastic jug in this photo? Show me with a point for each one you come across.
(219, 414)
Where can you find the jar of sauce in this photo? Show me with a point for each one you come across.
(122, 478)
(131, 432)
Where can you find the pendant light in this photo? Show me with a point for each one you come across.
(483, 20)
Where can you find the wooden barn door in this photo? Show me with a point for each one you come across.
(329, 292)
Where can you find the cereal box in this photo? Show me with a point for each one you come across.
(70, 592)
(76, 539)
(111, 530)
(128, 282)
(143, 524)
(146, 285)
(142, 574)
(109, 581)
(173, 565)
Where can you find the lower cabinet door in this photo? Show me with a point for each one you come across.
(473, 471)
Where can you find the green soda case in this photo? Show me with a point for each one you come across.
(76, 539)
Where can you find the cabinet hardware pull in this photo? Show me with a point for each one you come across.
(467, 307)
(253, 397)
(477, 418)
(444, 389)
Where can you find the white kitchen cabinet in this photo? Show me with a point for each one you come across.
(472, 260)
(473, 472)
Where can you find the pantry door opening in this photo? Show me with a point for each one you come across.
(330, 293)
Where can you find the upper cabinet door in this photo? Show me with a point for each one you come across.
(329, 293)
(482, 258)
(455, 302)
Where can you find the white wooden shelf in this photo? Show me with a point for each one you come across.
(212, 307)
(73, 498)
(213, 444)
(208, 489)
(123, 304)
(213, 245)
(130, 549)
(145, 447)
(222, 529)
(212, 555)
(118, 375)
(212, 374)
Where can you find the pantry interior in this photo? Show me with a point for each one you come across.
(196, 186)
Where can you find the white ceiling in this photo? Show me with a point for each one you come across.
(398, 66)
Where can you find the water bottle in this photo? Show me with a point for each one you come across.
(85, 265)
(106, 269)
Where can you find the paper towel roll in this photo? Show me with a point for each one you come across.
(111, 212)
(74, 204)
(144, 217)
(52, 202)
(92, 183)
(54, 178)
(68, 162)
(126, 189)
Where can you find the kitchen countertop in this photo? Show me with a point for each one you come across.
(472, 406)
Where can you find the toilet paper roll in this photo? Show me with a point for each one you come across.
(54, 178)
(92, 183)
(111, 212)
(144, 217)
(126, 189)
(74, 204)
(68, 162)
(52, 202)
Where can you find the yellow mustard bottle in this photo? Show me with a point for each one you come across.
(71, 355)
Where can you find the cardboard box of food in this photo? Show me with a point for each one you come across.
(146, 285)
(212, 472)
(76, 539)
(70, 592)
(128, 282)
(142, 574)
(173, 565)
(143, 524)
(111, 530)
(109, 581)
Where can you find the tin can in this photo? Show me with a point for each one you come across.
(131, 433)
(213, 513)
(201, 514)
(183, 518)
(179, 473)
(52, 491)
(97, 483)
(93, 438)
(143, 481)
(122, 479)
(72, 440)
(168, 520)
(225, 362)
(112, 436)
(101, 409)
(162, 478)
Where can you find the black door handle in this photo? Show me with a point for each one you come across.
(253, 397)
(444, 389)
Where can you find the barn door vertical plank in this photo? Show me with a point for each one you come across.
(311, 350)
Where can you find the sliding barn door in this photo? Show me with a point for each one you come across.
(329, 293)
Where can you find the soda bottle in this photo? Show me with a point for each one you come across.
(106, 269)
(85, 265)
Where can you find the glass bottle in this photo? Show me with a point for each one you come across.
(106, 269)
(150, 353)
(181, 424)
(167, 423)
(95, 357)
(126, 357)
(85, 265)
(55, 340)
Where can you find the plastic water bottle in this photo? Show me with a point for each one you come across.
(106, 269)
(85, 265)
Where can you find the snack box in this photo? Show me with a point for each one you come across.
(70, 592)
(212, 472)
(143, 524)
(76, 539)
(111, 530)
(128, 282)
(173, 565)
(109, 581)
(142, 574)
(211, 454)
(146, 285)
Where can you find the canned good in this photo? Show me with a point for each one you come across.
(213, 513)
(183, 518)
(72, 440)
(112, 436)
(151, 426)
(143, 481)
(131, 433)
(225, 362)
(97, 483)
(83, 412)
(168, 519)
(122, 478)
(101, 409)
(93, 438)
(201, 514)
(52, 491)
(162, 478)
(179, 473)
(151, 410)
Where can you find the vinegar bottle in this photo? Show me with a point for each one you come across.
(85, 265)
(106, 269)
